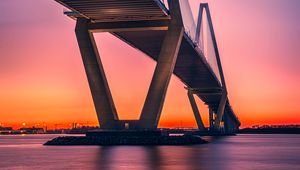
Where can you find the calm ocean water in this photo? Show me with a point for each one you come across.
(242, 152)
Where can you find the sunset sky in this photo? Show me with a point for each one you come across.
(42, 79)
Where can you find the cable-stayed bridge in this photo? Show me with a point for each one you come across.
(166, 32)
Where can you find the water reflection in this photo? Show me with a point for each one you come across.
(246, 152)
(237, 152)
(161, 157)
(127, 157)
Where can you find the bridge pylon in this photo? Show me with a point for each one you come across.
(103, 101)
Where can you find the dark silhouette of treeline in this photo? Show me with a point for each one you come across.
(271, 129)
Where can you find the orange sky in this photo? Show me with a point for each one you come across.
(42, 78)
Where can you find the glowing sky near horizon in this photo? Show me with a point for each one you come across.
(42, 78)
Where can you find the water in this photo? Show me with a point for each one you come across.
(242, 152)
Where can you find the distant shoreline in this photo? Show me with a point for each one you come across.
(265, 129)
(269, 131)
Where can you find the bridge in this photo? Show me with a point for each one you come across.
(166, 32)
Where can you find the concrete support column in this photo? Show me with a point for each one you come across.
(220, 112)
(227, 123)
(165, 66)
(102, 98)
(196, 111)
(211, 118)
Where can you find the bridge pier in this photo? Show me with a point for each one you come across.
(229, 125)
(220, 112)
(102, 98)
(211, 118)
(195, 111)
(164, 69)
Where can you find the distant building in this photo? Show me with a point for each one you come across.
(58, 131)
(32, 130)
(83, 129)
(6, 128)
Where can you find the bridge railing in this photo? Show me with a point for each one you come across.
(204, 41)
(188, 19)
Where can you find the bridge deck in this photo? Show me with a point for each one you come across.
(118, 10)
(191, 66)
